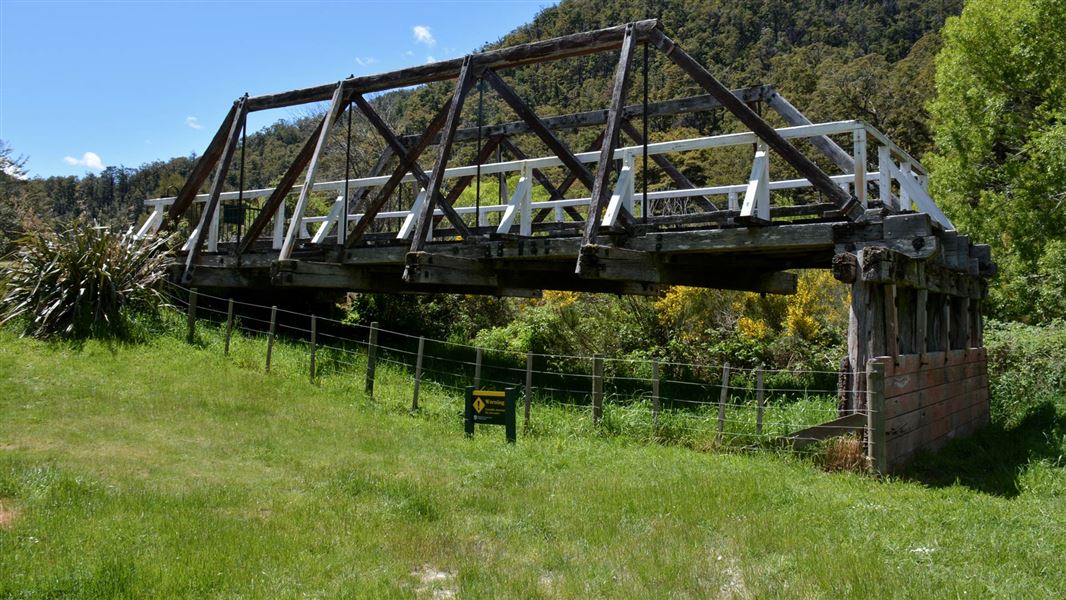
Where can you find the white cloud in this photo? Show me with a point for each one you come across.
(12, 170)
(430, 59)
(89, 160)
(365, 62)
(409, 53)
(424, 36)
(193, 122)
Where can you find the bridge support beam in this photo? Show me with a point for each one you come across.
(909, 303)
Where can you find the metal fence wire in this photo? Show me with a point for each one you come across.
(727, 406)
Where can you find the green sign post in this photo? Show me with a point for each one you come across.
(491, 407)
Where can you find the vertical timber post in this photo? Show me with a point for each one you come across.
(270, 335)
(891, 321)
(314, 345)
(723, 397)
(229, 325)
(371, 358)
(192, 316)
(597, 388)
(655, 398)
(921, 324)
(875, 416)
(759, 400)
(418, 372)
(477, 367)
(529, 388)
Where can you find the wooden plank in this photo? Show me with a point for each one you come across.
(418, 372)
(853, 423)
(891, 321)
(203, 168)
(284, 186)
(191, 317)
(723, 399)
(529, 389)
(196, 242)
(270, 335)
(760, 399)
(314, 346)
(371, 359)
(857, 332)
(825, 144)
(601, 184)
(557, 146)
(554, 193)
(337, 104)
(423, 179)
(444, 150)
(656, 398)
(229, 326)
(875, 389)
(577, 44)
(847, 204)
(597, 388)
(668, 167)
(477, 367)
(407, 161)
(460, 184)
(691, 104)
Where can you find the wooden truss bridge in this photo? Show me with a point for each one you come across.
(870, 218)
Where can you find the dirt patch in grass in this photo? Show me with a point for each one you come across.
(434, 583)
(7, 514)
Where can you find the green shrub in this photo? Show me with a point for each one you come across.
(1026, 367)
(81, 282)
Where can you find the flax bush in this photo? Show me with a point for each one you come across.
(80, 282)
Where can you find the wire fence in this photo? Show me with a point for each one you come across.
(700, 404)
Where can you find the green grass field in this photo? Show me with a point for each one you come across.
(165, 469)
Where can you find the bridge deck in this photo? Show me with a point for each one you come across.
(740, 258)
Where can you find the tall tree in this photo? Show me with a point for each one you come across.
(999, 123)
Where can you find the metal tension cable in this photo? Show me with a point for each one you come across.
(477, 186)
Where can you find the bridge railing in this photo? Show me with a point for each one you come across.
(900, 181)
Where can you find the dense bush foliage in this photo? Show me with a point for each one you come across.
(687, 325)
(1027, 367)
(999, 166)
(81, 281)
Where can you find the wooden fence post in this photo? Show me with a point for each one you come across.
(192, 316)
(371, 358)
(229, 325)
(477, 368)
(418, 372)
(875, 416)
(759, 400)
(723, 397)
(529, 387)
(655, 399)
(270, 335)
(314, 344)
(597, 388)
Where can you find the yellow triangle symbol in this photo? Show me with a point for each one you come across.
(479, 404)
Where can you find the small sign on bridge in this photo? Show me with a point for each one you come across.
(491, 407)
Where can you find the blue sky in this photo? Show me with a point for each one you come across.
(85, 84)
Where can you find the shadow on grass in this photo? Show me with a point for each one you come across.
(993, 459)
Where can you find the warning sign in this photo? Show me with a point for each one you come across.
(491, 407)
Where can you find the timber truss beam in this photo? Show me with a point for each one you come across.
(603, 246)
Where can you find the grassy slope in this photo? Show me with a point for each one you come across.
(168, 470)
